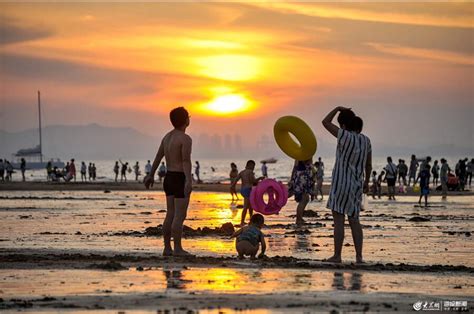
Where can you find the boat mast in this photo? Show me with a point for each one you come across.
(39, 118)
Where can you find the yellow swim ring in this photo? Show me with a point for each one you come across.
(306, 148)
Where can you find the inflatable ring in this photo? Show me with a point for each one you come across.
(277, 197)
(294, 125)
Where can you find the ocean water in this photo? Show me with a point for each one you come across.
(281, 170)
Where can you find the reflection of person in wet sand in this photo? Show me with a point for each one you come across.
(176, 148)
(353, 157)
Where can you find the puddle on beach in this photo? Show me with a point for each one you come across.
(84, 221)
(224, 280)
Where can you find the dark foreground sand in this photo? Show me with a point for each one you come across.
(275, 300)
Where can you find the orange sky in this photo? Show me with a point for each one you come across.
(230, 63)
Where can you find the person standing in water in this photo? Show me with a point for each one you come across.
(136, 169)
(162, 171)
(83, 172)
(197, 170)
(176, 149)
(301, 185)
(234, 172)
(116, 170)
(435, 173)
(353, 158)
(123, 171)
(147, 168)
(23, 169)
(264, 169)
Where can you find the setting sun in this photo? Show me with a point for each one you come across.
(226, 104)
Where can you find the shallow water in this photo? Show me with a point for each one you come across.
(67, 282)
(84, 221)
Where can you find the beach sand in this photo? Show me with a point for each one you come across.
(90, 250)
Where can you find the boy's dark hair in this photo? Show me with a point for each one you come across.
(382, 172)
(345, 117)
(257, 219)
(443, 160)
(356, 124)
(316, 164)
(250, 162)
(374, 172)
(179, 117)
(389, 159)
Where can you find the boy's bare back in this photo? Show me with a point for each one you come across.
(174, 144)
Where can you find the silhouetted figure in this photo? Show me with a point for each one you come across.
(162, 171)
(123, 171)
(2, 170)
(469, 170)
(49, 171)
(390, 177)
(234, 172)
(176, 148)
(413, 168)
(72, 169)
(444, 175)
(264, 169)
(136, 169)
(94, 171)
(197, 170)
(9, 169)
(84, 171)
(435, 173)
(350, 178)
(147, 168)
(116, 170)
(23, 169)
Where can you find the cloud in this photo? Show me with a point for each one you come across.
(11, 32)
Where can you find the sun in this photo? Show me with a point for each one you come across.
(227, 104)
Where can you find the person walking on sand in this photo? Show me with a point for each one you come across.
(23, 169)
(349, 182)
(391, 177)
(413, 168)
(116, 170)
(234, 172)
(301, 185)
(84, 171)
(176, 149)
(197, 170)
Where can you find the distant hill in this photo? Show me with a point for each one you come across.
(90, 141)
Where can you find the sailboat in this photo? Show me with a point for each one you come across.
(34, 156)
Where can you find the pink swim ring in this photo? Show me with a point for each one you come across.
(277, 197)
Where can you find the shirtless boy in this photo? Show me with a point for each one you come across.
(176, 148)
(248, 180)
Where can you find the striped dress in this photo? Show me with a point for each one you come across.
(347, 184)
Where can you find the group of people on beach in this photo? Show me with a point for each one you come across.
(350, 180)
(421, 171)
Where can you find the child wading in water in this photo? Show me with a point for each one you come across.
(424, 177)
(248, 180)
(249, 237)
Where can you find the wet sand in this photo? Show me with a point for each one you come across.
(139, 186)
(93, 250)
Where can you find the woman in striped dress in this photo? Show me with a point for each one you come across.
(350, 177)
